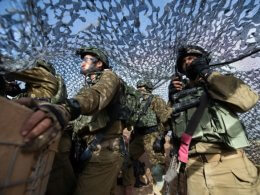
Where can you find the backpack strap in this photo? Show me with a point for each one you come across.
(146, 106)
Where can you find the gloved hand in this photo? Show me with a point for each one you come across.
(184, 147)
(176, 84)
(174, 87)
(199, 67)
(42, 126)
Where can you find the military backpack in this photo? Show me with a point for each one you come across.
(134, 109)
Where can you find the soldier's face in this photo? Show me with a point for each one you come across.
(186, 62)
(90, 64)
(87, 62)
(141, 89)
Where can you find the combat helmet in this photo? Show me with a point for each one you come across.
(47, 65)
(190, 50)
(98, 53)
(144, 83)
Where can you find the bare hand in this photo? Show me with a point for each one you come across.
(177, 84)
(37, 124)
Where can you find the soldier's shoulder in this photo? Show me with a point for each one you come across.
(109, 73)
(157, 98)
(108, 77)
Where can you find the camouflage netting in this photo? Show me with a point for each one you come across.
(140, 37)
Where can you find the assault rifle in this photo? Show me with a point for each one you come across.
(184, 105)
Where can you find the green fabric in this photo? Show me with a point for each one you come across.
(61, 94)
(91, 123)
(131, 108)
(218, 124)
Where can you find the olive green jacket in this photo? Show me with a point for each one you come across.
(219, 122)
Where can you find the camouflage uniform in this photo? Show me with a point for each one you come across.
(163, 113)
(41, 82)
(99, 173)
(144, 142)
(106, 161)
(217, 164)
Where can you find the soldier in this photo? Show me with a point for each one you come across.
(102, 158)
(145, 139)
(217, 163)
(42, 82)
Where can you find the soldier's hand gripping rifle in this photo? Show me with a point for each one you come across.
(176, 94)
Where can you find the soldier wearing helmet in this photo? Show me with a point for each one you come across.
(192, 61)
(101, 157)
(91, 59)
(40, 81)
(149, 140)
(144, 85)
(214, 150)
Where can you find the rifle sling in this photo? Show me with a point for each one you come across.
(146, 106)
(195, 118)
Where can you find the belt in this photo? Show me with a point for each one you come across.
(208, 158)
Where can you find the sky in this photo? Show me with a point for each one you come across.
(93, 16)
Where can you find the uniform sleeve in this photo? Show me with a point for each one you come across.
(40, 80)
(233, 91)
(98, 96)
(162, 111)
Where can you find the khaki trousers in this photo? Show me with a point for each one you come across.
(99, 175)
(234, 175)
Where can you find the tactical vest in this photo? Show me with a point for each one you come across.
(147, 117)
(218, 124)
(91, 123)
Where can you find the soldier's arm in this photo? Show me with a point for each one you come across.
(89, 101)
(37, 77)
(231, 90)
(162, 111)
(98, 96)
